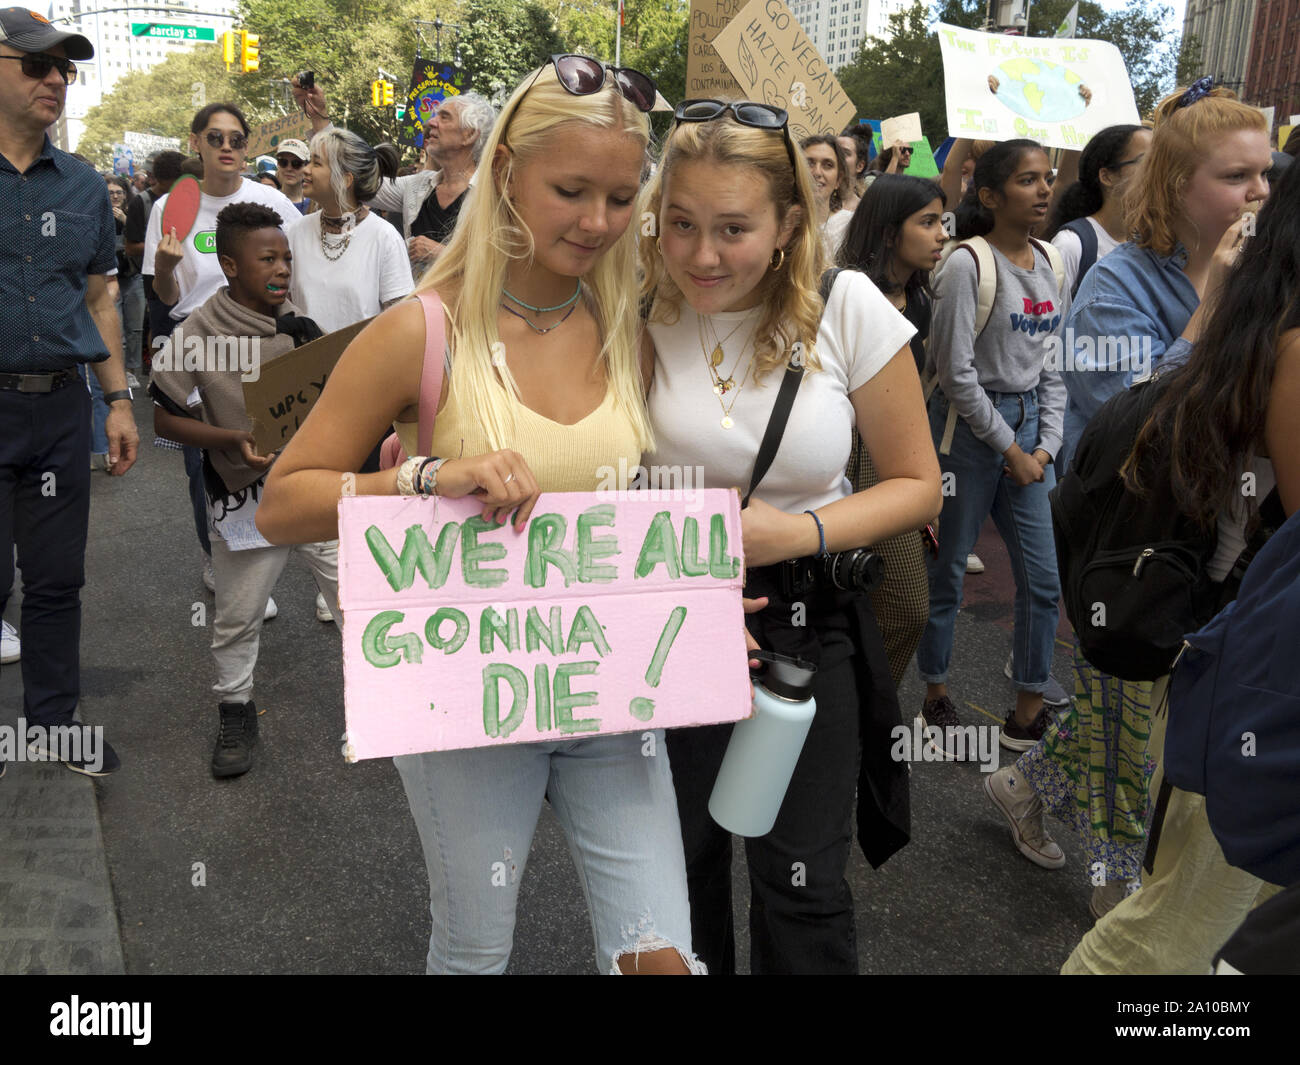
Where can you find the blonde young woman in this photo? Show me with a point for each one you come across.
(734, 278)
(542, 261)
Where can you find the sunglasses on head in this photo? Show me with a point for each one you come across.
(583, 76)
(37, 65)
(290, 163)
(746, 112)
(215, 138)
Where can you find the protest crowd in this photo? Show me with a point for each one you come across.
(1098, 350)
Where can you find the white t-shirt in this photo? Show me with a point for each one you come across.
(1231, 526)
(860, 332)
(1071, 249)
(199, 274)
(833, 233)
(336, 292)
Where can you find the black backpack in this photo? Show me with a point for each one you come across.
(1132, 568)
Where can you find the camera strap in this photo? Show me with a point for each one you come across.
(783, 405)
(775, 427)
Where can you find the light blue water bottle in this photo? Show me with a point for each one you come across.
(761, 756)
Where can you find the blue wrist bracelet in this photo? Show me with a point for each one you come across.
(821, 533)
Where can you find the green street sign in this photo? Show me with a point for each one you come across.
(173, 32)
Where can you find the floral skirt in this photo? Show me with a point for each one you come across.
(1093, 768)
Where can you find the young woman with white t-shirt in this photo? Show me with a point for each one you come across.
(348, 263)
(734, 282)
(1106, 166)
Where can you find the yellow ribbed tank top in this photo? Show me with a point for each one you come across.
(564, 458)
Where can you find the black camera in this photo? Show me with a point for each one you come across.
(306, 79)
(857, 570)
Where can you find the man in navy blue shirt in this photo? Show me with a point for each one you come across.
(57, 243)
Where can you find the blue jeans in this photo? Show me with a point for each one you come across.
(975, 486)
(476, 812)
(98, 412)
(130, 309)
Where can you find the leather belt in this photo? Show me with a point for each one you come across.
(37, 382)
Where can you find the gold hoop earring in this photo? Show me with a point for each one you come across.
(659, 246)
(778, 259)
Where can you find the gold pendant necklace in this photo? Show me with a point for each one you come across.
(714, 359)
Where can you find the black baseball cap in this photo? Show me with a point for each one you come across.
(27, 31)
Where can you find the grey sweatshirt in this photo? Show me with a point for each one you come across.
(1010, 354)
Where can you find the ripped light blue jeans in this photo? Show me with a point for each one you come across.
(476, 812)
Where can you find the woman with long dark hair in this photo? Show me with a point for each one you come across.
(1226, 420)
(1088, 222)
(996, 421)
(895, 238)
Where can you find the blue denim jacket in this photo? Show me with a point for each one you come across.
(1124, 322)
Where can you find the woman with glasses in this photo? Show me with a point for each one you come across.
(1089, 219)
(544, 389)
(734, 282)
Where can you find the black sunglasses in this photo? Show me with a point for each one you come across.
(216, 139)
(583, 76)
(37, 65)
(290, 163)
(746, 112)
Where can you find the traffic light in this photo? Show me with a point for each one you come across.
(248, 49)
(228, 47)
(388, 93)
(377, 93)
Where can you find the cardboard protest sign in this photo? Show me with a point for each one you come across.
(905, 128)
(613, 612)
(1058, 92)
(263, 137)
(923, 162)
(774, 61)
(280, 398)
(706, 76)
(431, 83)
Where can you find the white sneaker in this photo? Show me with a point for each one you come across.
(974, 564)
(209, 581)
(323, 609)
(132, 381)
(10, 648)
(1023, 809)
(271, 609)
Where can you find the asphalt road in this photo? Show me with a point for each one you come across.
(308, 864)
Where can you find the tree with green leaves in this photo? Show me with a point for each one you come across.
(901, 74)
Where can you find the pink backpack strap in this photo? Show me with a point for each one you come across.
(435, 339)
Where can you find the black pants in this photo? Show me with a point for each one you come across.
(801, 908)
(45, 510)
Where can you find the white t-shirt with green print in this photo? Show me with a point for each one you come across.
(199, 274)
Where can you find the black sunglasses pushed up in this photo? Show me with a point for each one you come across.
(37, 65)
(583, 76)
(746, 112)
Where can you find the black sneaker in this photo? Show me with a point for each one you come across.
(1014, 737)
(233, 755)
(104, 761)
(941, 716)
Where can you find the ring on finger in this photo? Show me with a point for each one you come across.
(509, 478)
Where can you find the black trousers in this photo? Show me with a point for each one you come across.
(801, 907)
(45, 510)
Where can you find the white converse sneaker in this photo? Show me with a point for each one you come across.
(323, 609)
(974, 564)
(1023, 809)
(271, 609)
(209, 581)
(11, 650)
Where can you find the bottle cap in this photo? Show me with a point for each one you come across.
(784, 677)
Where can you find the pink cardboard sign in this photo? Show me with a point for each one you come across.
(612, 612)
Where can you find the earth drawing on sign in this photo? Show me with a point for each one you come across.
(1039, 90)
